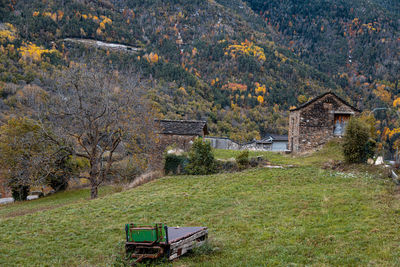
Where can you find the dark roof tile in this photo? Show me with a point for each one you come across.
(321, 96)
(183, 127)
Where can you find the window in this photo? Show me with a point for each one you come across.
(340, 124)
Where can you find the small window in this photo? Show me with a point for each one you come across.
(340, 124)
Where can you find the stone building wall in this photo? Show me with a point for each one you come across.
(183, 142)
(223, 143)
(313, 125)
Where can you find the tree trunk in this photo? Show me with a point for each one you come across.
(94, 191)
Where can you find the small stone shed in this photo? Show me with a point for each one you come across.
(181, 133)
(317, 121)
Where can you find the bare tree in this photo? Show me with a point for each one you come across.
(100, 112)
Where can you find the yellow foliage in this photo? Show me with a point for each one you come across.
(260, 99)
(393, 132)
(36, 13)
(182, 90)
(106, 20)
(8, 34)
(261, 89)
(33, 52)
(235, 87)
(292, 107)
(280, 56)
(396, 102)
(194, 51)
(302, 99)
(84, 16)
(153, 57)
(46, 14)
(384, 95)
(246, 48)
(60, 14)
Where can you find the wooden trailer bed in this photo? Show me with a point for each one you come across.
(183, 239)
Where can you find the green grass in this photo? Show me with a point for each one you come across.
(331, 151)
(259, 217)
(50, 202)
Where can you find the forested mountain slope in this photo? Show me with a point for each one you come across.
(355, 42)
(215, 60)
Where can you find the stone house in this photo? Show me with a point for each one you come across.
(317, 121)
(180, 133)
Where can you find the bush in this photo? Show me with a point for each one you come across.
(242, 159)
(20, 192)
(227, 166)
(62, 170)
(201, 158)
(57, 182)
(175, 164)
(356, 138)
(256, 161)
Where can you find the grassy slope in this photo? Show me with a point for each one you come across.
(301, 215)
(331, 151)
(50, 202)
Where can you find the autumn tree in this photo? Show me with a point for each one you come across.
(30, 156)
(102, 114)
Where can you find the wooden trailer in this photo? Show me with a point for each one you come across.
(159, 240)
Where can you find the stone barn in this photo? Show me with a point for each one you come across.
(181, 133)
(317, 121)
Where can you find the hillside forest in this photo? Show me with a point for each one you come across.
(240, 65)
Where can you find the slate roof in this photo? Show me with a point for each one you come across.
(183, 127)
(276, 137)
(321, 96)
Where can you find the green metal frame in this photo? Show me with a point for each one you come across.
(152, 234)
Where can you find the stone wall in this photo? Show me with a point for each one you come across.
(183, 142)
(223, 143)
(313, 125)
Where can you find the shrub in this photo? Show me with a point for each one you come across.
(62, 169)
(256, 161)
(355, 145)
(57, 182)
(226, 166)
(242, 159)
(175, 164)
(20, 192)
(370, 148)
(201, 158)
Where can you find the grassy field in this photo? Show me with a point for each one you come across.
(50, 202)
(259, 217)
(331, 151)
